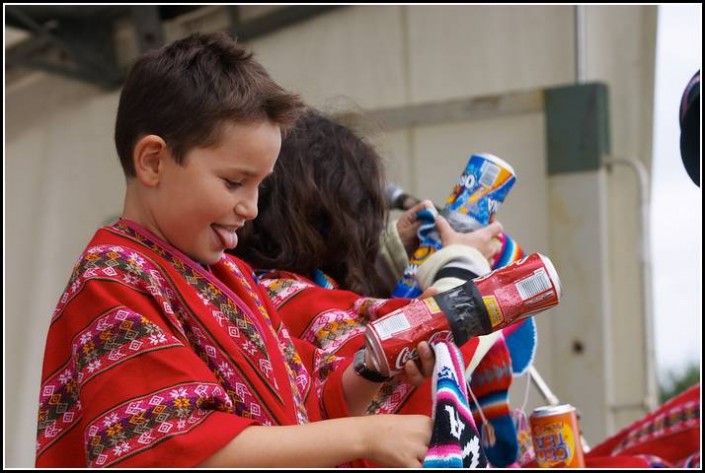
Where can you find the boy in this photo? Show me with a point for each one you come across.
(165, 352)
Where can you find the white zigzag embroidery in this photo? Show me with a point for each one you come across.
(472, 448)
(455, 423)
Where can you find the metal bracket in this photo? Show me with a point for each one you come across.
(77, 42)
(85, 50)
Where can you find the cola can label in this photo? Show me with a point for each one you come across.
(392, 339)
(522, 288)
(556, 437)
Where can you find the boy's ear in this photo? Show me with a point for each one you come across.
(149, 155)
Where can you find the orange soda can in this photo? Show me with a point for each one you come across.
(556, 437)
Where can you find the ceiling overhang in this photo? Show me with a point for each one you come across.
(78, 41)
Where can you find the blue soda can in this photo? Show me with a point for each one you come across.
(475, 198)
(479, 192)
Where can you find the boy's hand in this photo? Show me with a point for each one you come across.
(408, 226)
(416, 371)
(397, 440)
(483, 239)
(429, 292)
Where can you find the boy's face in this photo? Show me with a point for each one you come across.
(200, 204)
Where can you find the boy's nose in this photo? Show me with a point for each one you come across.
(247, 209)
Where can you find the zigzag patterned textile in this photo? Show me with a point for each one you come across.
(455, 442)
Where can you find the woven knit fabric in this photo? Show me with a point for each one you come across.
(671, 433)
(455, 442)
(509, 252)
(526, 446)
(521, 339)
(490, 384)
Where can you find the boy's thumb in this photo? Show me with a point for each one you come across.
(495, 228)
(442, 225)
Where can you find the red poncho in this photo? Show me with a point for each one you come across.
(153, 360)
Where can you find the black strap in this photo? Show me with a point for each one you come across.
(455, 272)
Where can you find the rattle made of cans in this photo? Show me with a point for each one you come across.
(556, 437)
(478, 307)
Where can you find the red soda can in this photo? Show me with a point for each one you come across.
(392, 339)
(477, 307)
(556, 437)
(522, 288)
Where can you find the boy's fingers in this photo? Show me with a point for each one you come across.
(412, 372)
(430, 292)
(442, 225)
(427, 358)
(495, 228)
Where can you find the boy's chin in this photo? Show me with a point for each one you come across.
(211, 258)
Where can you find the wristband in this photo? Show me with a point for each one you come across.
(363, 371)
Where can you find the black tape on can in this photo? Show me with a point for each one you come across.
(466, 312)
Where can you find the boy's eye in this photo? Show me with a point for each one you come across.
(232, 184)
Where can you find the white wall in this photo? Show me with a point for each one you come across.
(62, 181)
(63, 178)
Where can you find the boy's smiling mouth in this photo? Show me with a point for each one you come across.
(227, 234)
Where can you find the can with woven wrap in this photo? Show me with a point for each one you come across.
(556, 437)
(477, 307)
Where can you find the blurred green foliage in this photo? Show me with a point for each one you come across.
(675, 382)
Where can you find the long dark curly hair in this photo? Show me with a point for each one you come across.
(322, 208)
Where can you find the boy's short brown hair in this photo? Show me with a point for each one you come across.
(185, 91)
